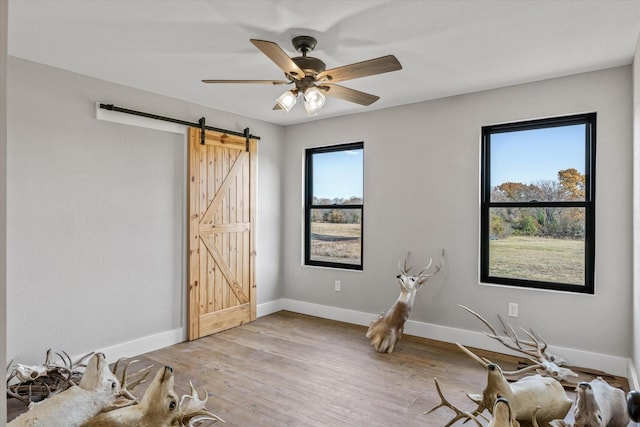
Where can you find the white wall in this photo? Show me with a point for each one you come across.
(422, 167)
(97, 214)
(3, 199)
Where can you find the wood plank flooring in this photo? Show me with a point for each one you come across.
(288, 369)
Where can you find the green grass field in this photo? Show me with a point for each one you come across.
(537, 258)
(342, 251)
(531, 258)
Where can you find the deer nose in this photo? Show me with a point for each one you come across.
(492, 366)
(398, 276)
(169, 368)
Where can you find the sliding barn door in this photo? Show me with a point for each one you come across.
(222, 194)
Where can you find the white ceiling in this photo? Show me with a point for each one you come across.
(446, 47)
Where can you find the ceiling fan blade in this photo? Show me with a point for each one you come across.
(272, 82)
(350, 95)
(279, 57)
(384, 64)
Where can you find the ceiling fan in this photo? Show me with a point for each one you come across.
(311, 78)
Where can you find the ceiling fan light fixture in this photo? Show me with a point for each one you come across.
(287, 100)
(313, 100)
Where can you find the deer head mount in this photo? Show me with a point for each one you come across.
(386, 330)
(598, 405)
(159, 407)
(502, 413)
(524, 395)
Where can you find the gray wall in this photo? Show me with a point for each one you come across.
(3, 198)
(422, 168)
(96, 214)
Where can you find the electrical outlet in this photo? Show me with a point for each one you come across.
(337, 285)
(513, 309)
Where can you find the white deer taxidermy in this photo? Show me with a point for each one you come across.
(598, 405)
(524, 395)
(502, 414)
(385, 331)
(97, 389)
(159, 407)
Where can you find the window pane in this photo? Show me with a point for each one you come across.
(337, 177)
(336, 235)
(538, 164)
(541, 244)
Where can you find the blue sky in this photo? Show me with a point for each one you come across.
(534, 155)
(338, 174)
(523, 156)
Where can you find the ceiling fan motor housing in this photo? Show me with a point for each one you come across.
(311, 66)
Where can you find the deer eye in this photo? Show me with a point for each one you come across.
(113, 385)
(172, 405)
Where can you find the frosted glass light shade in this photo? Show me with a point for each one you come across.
(287, 100)
(313, 100)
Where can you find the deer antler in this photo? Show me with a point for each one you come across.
(405, 270)
(424, 277)
(35, 383)
(127, 385)
(535, 350)
(193, 408)
(484, 362)
(459, 413)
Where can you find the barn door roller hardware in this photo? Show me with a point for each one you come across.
(201, 123)
(203, 129)
(247, 136)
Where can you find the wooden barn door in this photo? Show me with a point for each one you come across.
(222, 184)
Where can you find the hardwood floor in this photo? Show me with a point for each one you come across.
(288, 369)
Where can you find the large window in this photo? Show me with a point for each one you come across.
(334, 206)
(538, 204)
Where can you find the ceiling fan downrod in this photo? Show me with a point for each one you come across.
(304, 44)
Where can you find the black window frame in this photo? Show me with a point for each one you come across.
(589, 120)
(309, 206)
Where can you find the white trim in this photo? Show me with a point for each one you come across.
(267, 308)
(614, 365)
(607, 363)
(143, 345)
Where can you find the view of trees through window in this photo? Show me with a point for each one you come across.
(537, 203)
(334, 206)
(548, 221)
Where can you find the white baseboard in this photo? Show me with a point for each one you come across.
(143, 345)
(614, 365)
(611, 364)
(268, 308)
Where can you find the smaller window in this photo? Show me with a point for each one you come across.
(538, 204)
(334, 206)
